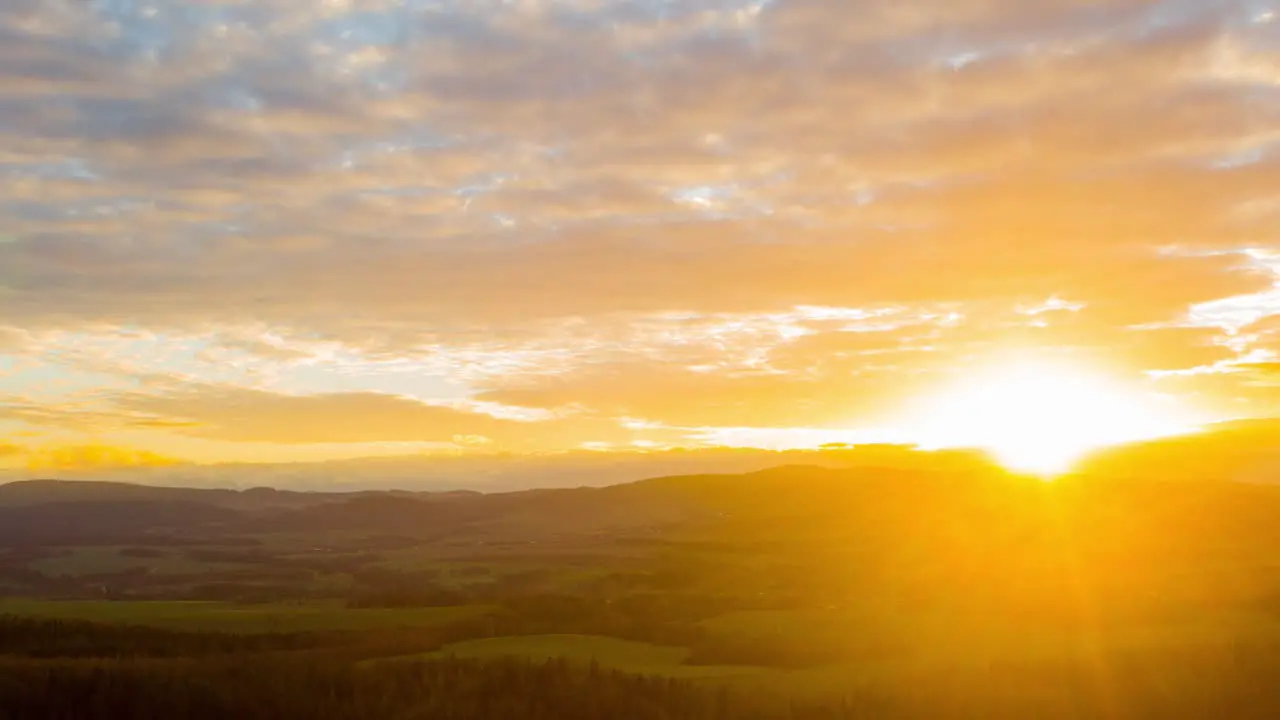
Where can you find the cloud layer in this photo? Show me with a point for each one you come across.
(554, 222)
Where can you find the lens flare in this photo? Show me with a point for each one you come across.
(1040, 418)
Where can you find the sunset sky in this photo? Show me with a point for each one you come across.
(290, 230)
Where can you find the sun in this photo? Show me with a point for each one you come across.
(1040, 418)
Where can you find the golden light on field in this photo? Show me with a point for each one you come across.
(1040, 417)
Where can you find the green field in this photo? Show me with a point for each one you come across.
(955, 638)
(929, 649)
(461, 574)
(230, 617)
(95, 560)
(627, 656)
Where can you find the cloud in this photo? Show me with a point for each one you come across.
(617, 207)
(1266, 326)
(82, 457)
(12, 340)
(677, 396)
(1265, 334)
(1234, 391)
(73, 417)
(841, 374)
(1161, 348)
(257, 416)
(700, 266)
(1264, 373)
(92, 457)
(253, 416)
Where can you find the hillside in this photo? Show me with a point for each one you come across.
(974, 520)
(25, 493)
(1241, 451)
(794, 582)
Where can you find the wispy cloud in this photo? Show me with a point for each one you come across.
(620, 209)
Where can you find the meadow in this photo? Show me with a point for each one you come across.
(93, 560)
(626, 656)
(211, 616)
(868, 595)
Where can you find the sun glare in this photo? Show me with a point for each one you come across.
(1040, 418)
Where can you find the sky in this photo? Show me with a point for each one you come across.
(269, 231)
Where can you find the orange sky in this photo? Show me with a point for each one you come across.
(284, 231)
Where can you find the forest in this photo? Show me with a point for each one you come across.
(951, 588)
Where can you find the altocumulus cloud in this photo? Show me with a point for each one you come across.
(696, 213)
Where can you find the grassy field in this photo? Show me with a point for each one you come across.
(634, 657)
(456, 573)
(228, 617)
(951, 648)
(93, 560)
(944, 654)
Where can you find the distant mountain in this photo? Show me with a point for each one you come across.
(499, 473)
(101, 508)
(889, 486)
(70, 523)
(1240, 451)
(526, 515)
(26, 493)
